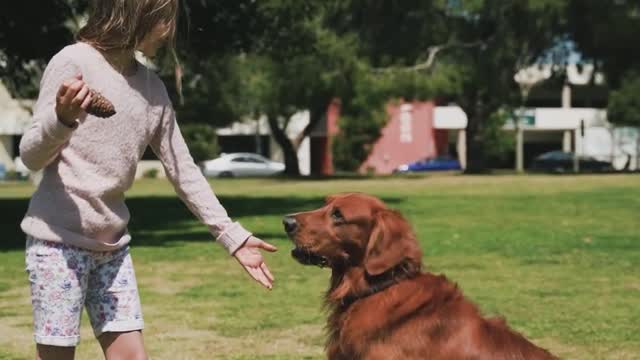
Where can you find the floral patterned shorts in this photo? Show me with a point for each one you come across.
(65, 278)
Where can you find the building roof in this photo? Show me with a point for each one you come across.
(449, 117)
(577, 74)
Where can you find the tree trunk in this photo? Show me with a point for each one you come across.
(290, 147)
(476, 161)
(638, 148)
(290, 153)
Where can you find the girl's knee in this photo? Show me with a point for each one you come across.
(123, 346)
(127, 354)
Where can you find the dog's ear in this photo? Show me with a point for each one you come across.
(391, 242)
(330, 198)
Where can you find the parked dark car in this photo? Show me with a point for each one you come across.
(439, 163)
(560, 162)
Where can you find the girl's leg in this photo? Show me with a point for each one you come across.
(58, 276)
(123, 345)
(113, 305)
(47, 352)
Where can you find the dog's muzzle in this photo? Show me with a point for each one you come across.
(302, 254)
(290, 224)
(306, 257)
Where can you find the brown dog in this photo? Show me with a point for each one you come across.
(381, 305)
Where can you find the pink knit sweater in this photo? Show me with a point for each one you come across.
(80, 200)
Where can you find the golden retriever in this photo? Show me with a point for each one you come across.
(381, 304)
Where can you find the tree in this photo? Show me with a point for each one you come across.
(479, 44)
(23, 26)
(265, 70)
(296, 65)
(604, 32)
(624, 102)
(308, 52)
(624, 110)
(202, 140)
(214, 37)
(280, 89)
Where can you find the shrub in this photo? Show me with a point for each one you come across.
(150, 173)
(201, 140)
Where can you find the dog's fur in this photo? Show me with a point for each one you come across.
(382, 306)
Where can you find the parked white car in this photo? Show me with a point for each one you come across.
(241, 164)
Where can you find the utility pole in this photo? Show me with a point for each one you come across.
(527, 78)
(579, 136)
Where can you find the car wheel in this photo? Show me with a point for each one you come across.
(226, 174)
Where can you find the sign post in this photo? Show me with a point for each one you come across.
(578, 139)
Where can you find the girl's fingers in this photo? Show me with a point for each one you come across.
(67, 83)
(86, 102)
(259, 276)
(266, 246)
(266, 271)
(71, 92)
(81, 95)
(63, 89)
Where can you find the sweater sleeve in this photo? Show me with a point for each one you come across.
(191, 185)
(44, 139)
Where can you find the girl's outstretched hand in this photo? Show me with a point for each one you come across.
(251, 259)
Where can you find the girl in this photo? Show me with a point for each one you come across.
(76, 225)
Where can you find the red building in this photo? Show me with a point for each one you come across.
(415, 130)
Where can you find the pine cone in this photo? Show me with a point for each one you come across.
(100, 106)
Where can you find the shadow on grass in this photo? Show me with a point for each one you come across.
(159, 220)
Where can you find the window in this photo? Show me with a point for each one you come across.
(255, 160)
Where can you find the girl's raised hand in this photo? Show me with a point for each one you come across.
(72, 99)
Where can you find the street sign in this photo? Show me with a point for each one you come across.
(526, 118)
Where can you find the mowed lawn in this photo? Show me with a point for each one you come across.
(558, 256)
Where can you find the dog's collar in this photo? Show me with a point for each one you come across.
(380, 283)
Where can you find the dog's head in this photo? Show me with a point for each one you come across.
(353, 230)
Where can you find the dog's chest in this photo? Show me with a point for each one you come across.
(356, 331)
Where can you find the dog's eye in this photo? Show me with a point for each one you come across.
(336, 215)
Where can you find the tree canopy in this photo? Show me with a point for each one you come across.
(246, 58)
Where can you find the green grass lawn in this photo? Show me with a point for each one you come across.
(558, 256)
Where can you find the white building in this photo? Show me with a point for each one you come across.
(15, 118)
(570, 116)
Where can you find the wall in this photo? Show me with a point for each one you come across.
(6, 151)
(408, 136)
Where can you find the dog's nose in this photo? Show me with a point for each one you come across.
(290, 224)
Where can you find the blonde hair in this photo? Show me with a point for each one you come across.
(123, 24)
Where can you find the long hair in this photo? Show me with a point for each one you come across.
(123, 24)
